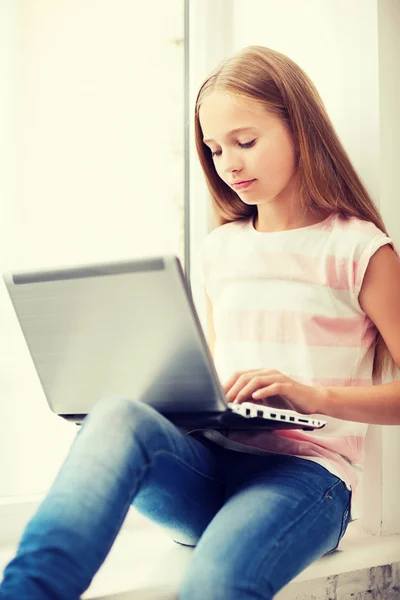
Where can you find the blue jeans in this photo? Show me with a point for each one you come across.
(256, 521)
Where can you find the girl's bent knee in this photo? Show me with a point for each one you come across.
(121, 414)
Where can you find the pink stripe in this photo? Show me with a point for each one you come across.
(350, 447)
(297, 442)
(333, 272)
(341, 452)
(284, 327)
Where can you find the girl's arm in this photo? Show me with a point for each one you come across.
(378, 404)
(380, 299)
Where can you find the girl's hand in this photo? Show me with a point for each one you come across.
(272, 388)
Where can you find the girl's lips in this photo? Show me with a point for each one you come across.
(241, 185)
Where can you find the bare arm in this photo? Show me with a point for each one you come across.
(380, 299)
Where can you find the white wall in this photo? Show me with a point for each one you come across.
(8, 45)
(335, 42)
(92, 140)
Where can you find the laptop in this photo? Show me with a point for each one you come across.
(129, 328)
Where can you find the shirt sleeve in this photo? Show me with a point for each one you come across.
(379, 240)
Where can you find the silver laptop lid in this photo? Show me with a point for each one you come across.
(124, 328)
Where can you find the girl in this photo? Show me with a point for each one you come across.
(304, 292)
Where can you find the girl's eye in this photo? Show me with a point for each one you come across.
(244, 145)
(247, 144)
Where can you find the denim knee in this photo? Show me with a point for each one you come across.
(119, 410)
(124, 417)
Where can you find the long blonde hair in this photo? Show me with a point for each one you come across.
(326, 178)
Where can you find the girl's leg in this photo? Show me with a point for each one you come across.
(125, 451)
(282, 514)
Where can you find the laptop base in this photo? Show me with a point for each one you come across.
(220, 420)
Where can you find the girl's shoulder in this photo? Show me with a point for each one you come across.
(355, 226)
(231, 227)
(222, 233)
(357, 240)
(357, 233)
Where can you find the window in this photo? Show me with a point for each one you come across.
(95, 109)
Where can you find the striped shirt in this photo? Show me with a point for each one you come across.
(289, 300)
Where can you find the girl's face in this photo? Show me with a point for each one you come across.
(252, 148)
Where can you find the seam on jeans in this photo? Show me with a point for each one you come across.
(135, 487)
(309, 510)
(330, 489)
(166, 452)
(344, 525)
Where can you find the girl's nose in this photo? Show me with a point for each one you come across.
(232, 164)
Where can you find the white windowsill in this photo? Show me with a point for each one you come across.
(144, 564)
(161, 572)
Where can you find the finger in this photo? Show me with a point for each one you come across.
(275, 389)
(245, 392)
(226, 386)
(236, 389)
(241, 383)
(230, 382)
